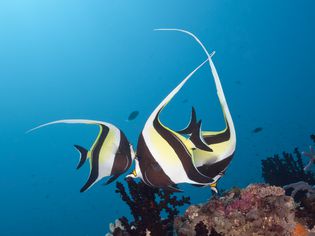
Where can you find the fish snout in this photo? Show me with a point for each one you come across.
(132, 175)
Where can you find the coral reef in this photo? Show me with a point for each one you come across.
(304, 195)
(117, 227)
(285, 207)
(256, 210)
(147, 205)
(305, 212)
(296, 179)
(285, 170)
(298, 188)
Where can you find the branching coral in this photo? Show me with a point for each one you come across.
(288, 171)
(285, 170)
(146, 205)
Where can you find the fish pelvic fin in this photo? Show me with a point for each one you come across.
(83, 155)
(172, 189)
(111, 179)
(91, 181)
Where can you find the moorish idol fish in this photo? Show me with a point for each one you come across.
(213, 163)
(133, 115)
(164, 157)
(110, 155)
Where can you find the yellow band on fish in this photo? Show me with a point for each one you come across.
(134, 172)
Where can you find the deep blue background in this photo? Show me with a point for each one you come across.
(101, 60)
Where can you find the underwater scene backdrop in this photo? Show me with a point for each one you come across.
(102, 60)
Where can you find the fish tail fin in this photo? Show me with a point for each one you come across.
(83, 155)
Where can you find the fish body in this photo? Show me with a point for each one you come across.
(167, 157)
(257, 130)
(163, 158)
(110, 155)
(133, 115)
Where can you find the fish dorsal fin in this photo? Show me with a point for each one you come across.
(83, 155)
(197, 138)
(192, 123)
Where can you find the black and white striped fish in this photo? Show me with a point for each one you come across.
(165, 157)
(110, 155)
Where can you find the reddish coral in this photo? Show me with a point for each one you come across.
(300, 230)
(257, 210)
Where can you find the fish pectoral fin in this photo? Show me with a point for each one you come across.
(111, 179)
(193, 122)
(197, 139)
(83, 155)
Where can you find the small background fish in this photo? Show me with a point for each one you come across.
(257, 130)
(133, 115)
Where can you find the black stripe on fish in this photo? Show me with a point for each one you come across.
(181, 152)
(197, 139)
(83, 155)
(152, 173)
(95, 154)
(218, 138)
(214, 169)
(193, 122)
(122, 160)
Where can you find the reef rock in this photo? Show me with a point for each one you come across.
(256, 210)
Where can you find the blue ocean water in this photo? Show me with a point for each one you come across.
(102, 60)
